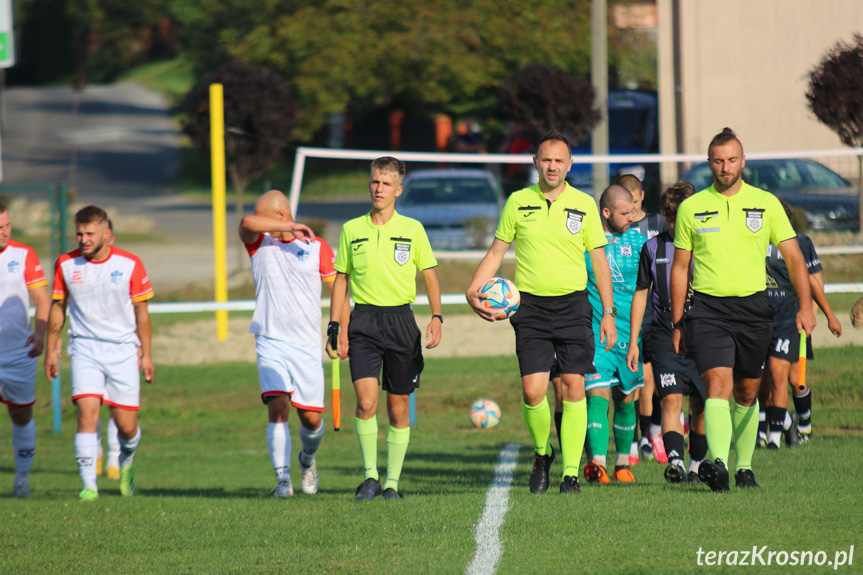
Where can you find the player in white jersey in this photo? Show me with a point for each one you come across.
(106, 290)
(288, 264)
(21, 278)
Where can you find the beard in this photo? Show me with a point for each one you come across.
(92, 251)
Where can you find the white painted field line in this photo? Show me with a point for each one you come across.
(488, 545)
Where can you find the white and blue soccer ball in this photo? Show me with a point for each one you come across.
(484, 413)
(503, 297)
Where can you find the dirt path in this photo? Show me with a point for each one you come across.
(463, 336)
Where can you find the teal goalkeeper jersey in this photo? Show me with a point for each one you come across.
(623, 252)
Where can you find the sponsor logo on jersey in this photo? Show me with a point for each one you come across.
(527, 211)
(754, 219)
(573, 220)
(663, 260)
(116, 277)
(592, 377)
(626, 250)
(705, 217)
(402, 253)
(13, 266)
(652, 234)
(667, 379)
(302, 255)
(77, 277)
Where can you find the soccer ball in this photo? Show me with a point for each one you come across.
(502, 295)
(484, 413)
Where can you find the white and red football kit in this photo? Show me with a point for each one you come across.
(287, 318)
(20, 272)
(103, 339)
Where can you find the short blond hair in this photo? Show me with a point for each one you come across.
(389, 165)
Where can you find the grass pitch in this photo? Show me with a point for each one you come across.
(203, 473)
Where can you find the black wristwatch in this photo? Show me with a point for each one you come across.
(676, 324)
(610, 310)
(440, 317)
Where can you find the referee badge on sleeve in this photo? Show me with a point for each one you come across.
(402, 253)
(754, 219)
(573, 220)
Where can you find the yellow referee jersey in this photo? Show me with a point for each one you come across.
(382, 260)
(728, 238)
(551, 240)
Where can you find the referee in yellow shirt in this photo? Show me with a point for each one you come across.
(379, 254)
(726, 230)
(553, 225)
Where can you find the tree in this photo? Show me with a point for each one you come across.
(259, 115)
(542, 98)
(835, 92)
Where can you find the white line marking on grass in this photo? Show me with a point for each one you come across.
(488, 545)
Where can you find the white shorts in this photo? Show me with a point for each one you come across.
(18, 379)
(286, 368)
(106, 370)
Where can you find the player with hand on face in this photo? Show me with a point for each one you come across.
(21, 279)
(612, 378)
(106, 290)
(379, 254)
(554, 226)
(725, 230)
(288, 265)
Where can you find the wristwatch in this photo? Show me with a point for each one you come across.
(676, 324)
(610, 310)
(440, 317)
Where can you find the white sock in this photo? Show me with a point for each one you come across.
(113, 445)
(311, 440)
(86, 451)
(693, 464)
(633, 450)
(127, 448)
(787, 423)
(774, 437)
(279, 442)
(654, 430)
(600, 460)
(622, 459)
(24, 444)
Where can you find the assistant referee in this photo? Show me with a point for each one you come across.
(553, 225)
(726, 229)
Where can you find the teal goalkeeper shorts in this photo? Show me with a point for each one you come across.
(611, 370)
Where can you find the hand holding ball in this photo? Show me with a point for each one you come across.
(501, 296)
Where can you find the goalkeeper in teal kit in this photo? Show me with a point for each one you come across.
(613, 380)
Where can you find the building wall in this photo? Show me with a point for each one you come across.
(746, 65)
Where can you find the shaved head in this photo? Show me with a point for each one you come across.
(612, 195)
(273, 202)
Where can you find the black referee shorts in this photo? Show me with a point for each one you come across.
(729, 332)
(785, 343)
(389, 336)
(559, 326)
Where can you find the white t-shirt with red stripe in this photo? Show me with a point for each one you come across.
(102, 294)
(287, 278)
(20, 271)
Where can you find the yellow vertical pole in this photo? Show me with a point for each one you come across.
(220, 247)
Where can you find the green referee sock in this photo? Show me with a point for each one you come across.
(597, 426)
(367, 434)
(717, 425)
(624, 428)
(538, 419)
(573, 428)
(745, 422)
(397, 447)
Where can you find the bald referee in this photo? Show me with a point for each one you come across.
(726, 230)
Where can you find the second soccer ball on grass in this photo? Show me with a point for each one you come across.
(484, 413)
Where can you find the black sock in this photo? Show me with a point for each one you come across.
(675, 447)
(776, 417)
(803, 407)
(558, 418)
(762, 421)
(697, 445)
(656, 416)
(644, 423)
